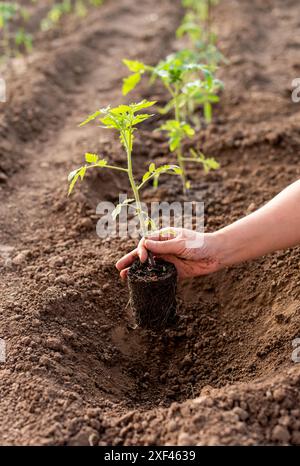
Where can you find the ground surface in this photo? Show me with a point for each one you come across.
(76, 370)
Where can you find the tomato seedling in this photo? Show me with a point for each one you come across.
(196, 24)
(9, 12)
(124, 120)
(65, 7)
(202, 11)
(152, 286)
(177, 73)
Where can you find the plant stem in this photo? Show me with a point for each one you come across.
(135, 191)
(179, 149)
(111, 167)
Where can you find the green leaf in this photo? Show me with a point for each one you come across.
(120, 109)
(177, 171)
(109, 122)
(82, 172)
(174, 143)
(140, 118)
(189, 131)
(146, 176)
(165, 168)
(208, 163)
(170, 125)
(130, 83)
(134, 65)
(211, 164)
(141, 105)
(91, 158)
(213, 99)
(101, 163)
(152, 167)
(74, 176)
(148, 222)
(159, 171)
(91, 117)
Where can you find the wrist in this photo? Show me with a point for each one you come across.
(229, 249)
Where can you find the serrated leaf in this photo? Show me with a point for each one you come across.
(174, 143)
(140, 118)
(141, 105)
(91, 158)
(152, 167)
(134, 65)
(211, 164)
(120, 109)
(101, 163)
(72, 174)
(109, 122)
(82, 172)
(130, 83)
(177, 170)
(213, 99)
(165, 168)
(146, 176)
(148, 222)
(170, 125)
(91, 117)
(73, 181)
(189, 131)
(208, 163)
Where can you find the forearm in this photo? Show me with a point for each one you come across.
(273, 227)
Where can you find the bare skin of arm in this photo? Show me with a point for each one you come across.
(273, 227)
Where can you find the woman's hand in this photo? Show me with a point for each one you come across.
(192, 253)
(273, 227)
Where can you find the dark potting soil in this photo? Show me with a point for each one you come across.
(152, 293)
(146, 272)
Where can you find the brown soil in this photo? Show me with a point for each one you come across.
(77, 372)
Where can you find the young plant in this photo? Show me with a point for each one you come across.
(8, 12)
(152, 285)
(196, 25)
(65, 7)
(176, 72)
(201, 11)
(124, 120)
(200, 93)
(55, 14)
(22, 40)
